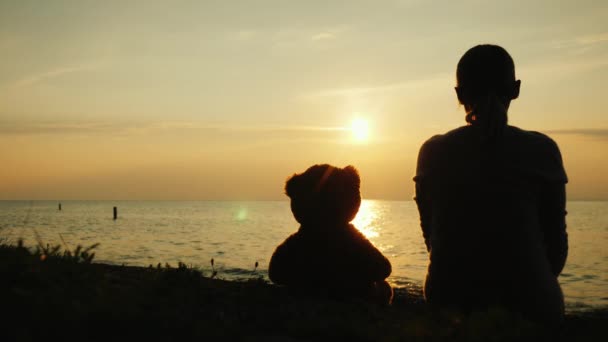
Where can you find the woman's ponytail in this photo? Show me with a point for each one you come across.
(490, 115)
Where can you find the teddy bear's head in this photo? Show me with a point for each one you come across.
(324, 194)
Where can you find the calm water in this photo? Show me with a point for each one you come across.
(237, 234)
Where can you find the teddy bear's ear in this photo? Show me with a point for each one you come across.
(352, 175)
(292, 185)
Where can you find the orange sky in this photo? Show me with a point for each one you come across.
(218, 100)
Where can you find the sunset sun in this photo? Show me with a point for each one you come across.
(360, 130)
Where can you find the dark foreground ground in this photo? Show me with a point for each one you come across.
(54, 295)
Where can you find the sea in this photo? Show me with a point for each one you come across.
(238, 235)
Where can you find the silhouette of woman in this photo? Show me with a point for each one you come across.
(491, 199)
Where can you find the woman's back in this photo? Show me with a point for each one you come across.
(482, 213)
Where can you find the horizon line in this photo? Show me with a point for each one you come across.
(239, 200)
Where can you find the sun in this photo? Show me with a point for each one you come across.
(360, 129)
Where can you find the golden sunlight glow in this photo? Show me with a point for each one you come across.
(360, 129)
(366, 218)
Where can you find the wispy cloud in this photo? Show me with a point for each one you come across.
(380, 88)
(323, 36)
(601, 133)
(138, 128)
(289, 37)
(329, 34)
(44, 128)
(244, 35)
(60, 71)
(561, 68)
(181, 125)
(581, 43)
(593, 38)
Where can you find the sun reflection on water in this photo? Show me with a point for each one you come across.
(366, 219)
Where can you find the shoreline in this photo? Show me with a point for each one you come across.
(58, 294)
(407, 289)
(148, 233)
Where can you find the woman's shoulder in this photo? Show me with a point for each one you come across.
(539, 150)
(532, 139)
(513, 134)
(448, 136)
(441, 143)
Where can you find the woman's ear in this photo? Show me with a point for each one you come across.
(459, 94)
(516, 87)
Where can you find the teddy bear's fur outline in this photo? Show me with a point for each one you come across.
(328, 255)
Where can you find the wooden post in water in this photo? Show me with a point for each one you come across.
(59, 206)
(115, 213)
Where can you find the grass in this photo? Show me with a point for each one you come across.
(51, 293)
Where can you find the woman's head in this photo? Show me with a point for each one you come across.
(486, 84)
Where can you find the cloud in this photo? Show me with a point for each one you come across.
(323, 36)
(244, 35)
(381, 88)
(581, 43)
(145, 128)
(541, 72)
(33, 79)
(44, 128)
(330, 33)
(184, 125)
(593, 39)
(601, 133)
(289, 37)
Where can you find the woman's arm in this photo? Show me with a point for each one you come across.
(553, 224)
(422, 197)
(552, 208)
(424, 209)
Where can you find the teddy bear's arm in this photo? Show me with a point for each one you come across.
(371, 264)
(283, 269)
(277, 270)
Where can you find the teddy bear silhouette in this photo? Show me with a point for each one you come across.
(328, 255)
